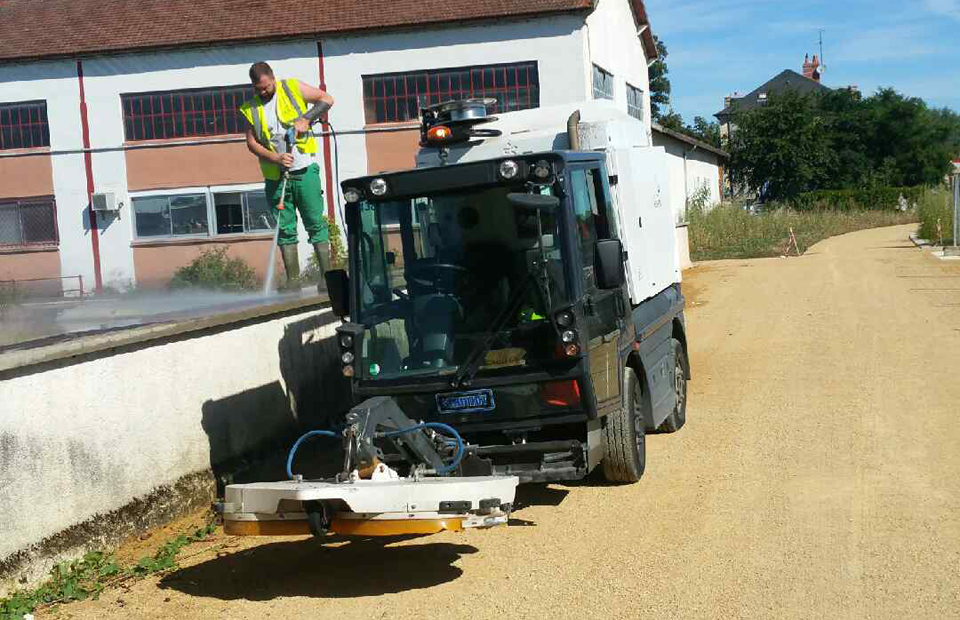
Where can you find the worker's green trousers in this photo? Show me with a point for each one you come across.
(305, 195)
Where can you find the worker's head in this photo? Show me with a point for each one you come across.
(264, 84)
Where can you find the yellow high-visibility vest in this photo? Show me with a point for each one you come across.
(290, 106)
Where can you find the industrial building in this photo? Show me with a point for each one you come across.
(121, 151)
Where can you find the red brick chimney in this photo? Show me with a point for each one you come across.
(807, 67)
(810, 67)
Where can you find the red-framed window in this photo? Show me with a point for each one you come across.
(24, 125)
(26, 222)
(398, 97)
(171, 114)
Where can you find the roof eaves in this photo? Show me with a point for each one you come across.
(690, 140)
(584, 7)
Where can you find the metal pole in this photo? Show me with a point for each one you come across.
(956, 210)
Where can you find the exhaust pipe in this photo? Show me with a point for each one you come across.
(573, 134)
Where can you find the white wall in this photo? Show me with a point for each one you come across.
(83, 439)
(702, 169)
(613, 45)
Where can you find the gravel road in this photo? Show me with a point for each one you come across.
(818, 476)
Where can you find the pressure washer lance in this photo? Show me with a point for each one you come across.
(289, 139)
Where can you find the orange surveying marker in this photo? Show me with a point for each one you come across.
(793, 237)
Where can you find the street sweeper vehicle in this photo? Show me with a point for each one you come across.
(512, 314)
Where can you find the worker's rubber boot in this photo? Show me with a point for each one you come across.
(291, 266)
(322, 252)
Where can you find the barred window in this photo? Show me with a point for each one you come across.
(165, 115)
(635, 102)
(24, 125)
(28, 222)
(602, 83)
(398, 97)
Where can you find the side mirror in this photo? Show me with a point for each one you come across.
(338, 288)
(608, 264)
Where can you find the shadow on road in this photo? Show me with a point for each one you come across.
(538, 495)
(308, 568)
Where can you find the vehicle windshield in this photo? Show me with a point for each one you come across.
(436, 272)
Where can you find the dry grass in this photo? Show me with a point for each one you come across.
(730, 232)
(936, 206)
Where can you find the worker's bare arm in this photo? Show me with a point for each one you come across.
(315, 95)
(264, 154)
(322, 102)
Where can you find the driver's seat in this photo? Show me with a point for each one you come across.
(435, 324)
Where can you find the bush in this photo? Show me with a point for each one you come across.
(214, 270)
(936, 206)
(865, 199)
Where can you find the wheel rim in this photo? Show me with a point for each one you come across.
(679, 387)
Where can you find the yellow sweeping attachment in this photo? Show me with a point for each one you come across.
(344, 527)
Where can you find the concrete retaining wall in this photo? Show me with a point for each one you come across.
(106, 435)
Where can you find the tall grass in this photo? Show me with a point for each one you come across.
(936, 205)
(728, 231)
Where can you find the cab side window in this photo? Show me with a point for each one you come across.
(583, 201)
(593, 214)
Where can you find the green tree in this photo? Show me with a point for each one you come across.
(706, 131)
(781, 149)
(672, 120)
(659, 83)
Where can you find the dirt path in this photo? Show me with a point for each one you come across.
(818, 477)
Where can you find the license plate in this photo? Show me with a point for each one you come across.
(477, 401)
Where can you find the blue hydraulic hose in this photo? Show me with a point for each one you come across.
(457, 457)
(293, 450)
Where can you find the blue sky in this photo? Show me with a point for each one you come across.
(716, 47)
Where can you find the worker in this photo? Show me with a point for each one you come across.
(278, 112)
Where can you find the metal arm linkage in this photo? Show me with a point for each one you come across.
(380, 417)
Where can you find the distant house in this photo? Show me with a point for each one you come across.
(786, 80)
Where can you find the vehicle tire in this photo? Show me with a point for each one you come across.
(678, 417)
(624, 436)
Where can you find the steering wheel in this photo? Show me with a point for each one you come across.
(438, 276)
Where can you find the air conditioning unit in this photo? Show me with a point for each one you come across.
(105, 202)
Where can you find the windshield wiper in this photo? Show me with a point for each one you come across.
(474, 360)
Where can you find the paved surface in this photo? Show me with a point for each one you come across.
(818, 476)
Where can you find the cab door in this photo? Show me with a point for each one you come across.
(603, 310)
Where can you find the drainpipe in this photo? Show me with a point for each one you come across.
(88, 166)
(327, 163)
(686, 191)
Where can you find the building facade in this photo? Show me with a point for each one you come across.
(152, 126)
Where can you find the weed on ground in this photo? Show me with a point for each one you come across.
(90, 575)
